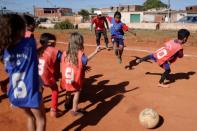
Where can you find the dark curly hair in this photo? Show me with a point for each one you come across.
(30, 22)
(44, 41)
(183, 33)
(118, 14)
(11, 28)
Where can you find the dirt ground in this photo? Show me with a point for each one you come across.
(114, 96)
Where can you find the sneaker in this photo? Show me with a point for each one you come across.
(138, 61)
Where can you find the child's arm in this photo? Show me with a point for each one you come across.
(179, 54)
(93, 54)
(106, 22)
(126, 28)
(92, 23)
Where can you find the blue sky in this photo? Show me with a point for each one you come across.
(23, 5)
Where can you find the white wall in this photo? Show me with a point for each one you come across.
(148, 18)
(177, 26)
(149, 26)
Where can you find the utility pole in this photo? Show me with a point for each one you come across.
(34, 7)
(169, 19)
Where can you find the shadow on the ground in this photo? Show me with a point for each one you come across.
(103, 96)
(177, 76)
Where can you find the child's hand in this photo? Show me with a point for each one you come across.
(98, 49)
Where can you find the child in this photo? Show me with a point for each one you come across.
(117, 34)
(20, 60)
(73, 62)
(166, 55)
(30, 25)
(48, 55)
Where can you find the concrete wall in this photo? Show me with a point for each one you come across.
(153, 26)
(84, 25)
(149, 18)
(177, 26)
(150, 26)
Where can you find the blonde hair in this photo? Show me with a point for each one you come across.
(74, 46)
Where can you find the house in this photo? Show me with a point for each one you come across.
(191, 10)
(130, 13)
(160, 16)
(52, 12)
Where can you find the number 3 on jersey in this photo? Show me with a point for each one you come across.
(161, 53)
(41, 66)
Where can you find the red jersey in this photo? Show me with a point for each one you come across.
(46, 65)
(124, 26)
(99, 23)
(72, 75)
(165, 53)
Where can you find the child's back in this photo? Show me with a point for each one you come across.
(46, 65)
(21, 64)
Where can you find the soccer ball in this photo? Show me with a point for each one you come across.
(149, 118)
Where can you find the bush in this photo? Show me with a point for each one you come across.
(64, 25)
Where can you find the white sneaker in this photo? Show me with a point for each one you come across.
(138, 61)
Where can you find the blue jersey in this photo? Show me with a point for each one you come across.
(21, 63)
(116, 29)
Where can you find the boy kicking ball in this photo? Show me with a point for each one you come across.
(168, 54)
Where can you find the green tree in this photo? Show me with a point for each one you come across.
(85, 14)
(150, 4)
(92, 10)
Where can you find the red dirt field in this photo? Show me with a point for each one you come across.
(114, 96)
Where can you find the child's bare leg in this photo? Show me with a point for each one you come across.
(75, 101)
(121, 48)
(120, 51)
(164, 76)
(40, 118)
(116, 50)
(31, 120)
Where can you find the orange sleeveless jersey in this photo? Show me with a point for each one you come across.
(72, 75)
(46, 65)
(165, 53)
